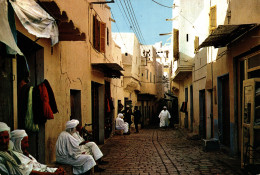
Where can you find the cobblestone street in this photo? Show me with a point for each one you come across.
(156, 151)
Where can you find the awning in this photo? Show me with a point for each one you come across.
(111, 70)
(36, 20)
(67, 30)
(225, 34)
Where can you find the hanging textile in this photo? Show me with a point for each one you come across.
(29, 122)
(36, 20)
(43, 103)
(51, 97)
(6, 35)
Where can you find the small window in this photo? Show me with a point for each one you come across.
(212, 18)
(176, 44)
(196, 44)
(187, 37)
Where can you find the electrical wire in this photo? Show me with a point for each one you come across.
(161, 4)
(125, 13)
(119, 32)
(131, 8)
(132, 22)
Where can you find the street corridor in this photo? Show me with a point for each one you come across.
(156, 151)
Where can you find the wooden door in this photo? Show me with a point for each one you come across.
(95, 111)
(6, 86)
(225, 111)
(202, 111)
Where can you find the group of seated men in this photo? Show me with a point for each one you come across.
(71, 149)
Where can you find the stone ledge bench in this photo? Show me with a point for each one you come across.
(67, 168)
(119, 131)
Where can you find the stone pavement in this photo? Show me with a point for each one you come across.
(163, 152)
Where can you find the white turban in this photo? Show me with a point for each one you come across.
(17, 137)
(4, 127)
(72, 123)
(120, 115)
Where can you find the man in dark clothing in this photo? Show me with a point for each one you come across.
(127, 114)
(137, 116)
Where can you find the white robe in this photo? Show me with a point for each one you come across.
(120, 124)
(23, 168)
(33, 164)
(90, 148)
(69, 152)
(164, 118)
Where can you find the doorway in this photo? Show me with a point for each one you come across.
(98, 110)
(202, 112)
(191, 108)
(6, 84)
(34, 55)
(75, 105)
(186, 113)
(224, 109)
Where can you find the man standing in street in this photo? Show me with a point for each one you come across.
(127, 114)
(164, 117)
(137, 116)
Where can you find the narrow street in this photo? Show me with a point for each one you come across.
(156, 151)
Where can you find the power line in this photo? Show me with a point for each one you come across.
(119, 32)
(123, 16)
(138, 26)
(161, 4)
(131, 19)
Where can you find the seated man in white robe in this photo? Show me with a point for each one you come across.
(21, 145)
(10, 164)
(88, 147)
(69, 152)
(120, 124)
(164, 117)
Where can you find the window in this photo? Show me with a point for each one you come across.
(99, 35)
(102, 37)
(150, 77)
(212, 18)
(196, 44)
(107, 36)
(147, 74)
(176, 44)
(154, 79)
(187, 37)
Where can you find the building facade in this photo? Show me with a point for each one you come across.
(213, 43)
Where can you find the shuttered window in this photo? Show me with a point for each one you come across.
(212, 18)
(102, 37)
(196, 44)
(99, 35)
(176, 44)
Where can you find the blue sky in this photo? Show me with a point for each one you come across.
(151, 18)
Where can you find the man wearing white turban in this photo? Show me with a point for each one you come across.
(120, 124)
(10, 164)
(90, 148)
(69, 152)
(20, 139)
(164, 117)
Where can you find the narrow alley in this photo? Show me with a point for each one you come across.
(156, 151)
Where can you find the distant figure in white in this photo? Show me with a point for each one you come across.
(164, 117)
(120, 124)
